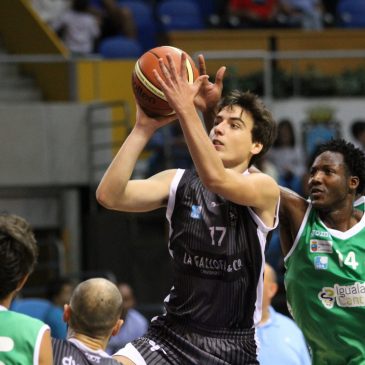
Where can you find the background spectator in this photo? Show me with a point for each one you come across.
(114, 18)
(281, 341)
(78, 28)
(58, 293)
(135, 324)
(307, 14)
(50, 10)
(253, 13)
(358, 132)
(287, 156)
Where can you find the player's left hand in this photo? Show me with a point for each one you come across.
(209, 93)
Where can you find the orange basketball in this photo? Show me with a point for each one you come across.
(145, 85)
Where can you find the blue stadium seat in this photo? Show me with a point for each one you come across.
(145, 22)
(351, 13)
(120, 47)
(212, 11)
(179, 15)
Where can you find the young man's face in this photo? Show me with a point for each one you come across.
(232, 138)
(328, 182)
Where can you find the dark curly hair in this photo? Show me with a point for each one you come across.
(353, 157)
(18, 252)
(264, 128)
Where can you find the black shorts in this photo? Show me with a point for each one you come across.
(167, 343)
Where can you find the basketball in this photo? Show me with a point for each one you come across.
(145, 85)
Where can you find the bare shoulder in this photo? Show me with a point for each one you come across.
(292, 211)
(265, 185)
(263, 197)
(164, 176)
(123, 360)
(291, 202)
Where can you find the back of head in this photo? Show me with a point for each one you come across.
(353, 157)
(18, 252)
(96, 305)
(270, 286)
(264, 128)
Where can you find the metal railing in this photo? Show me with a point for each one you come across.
(267, 57)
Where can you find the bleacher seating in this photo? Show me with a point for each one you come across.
(120, 47)
(351, 13)
(179, 15)
(144, 20)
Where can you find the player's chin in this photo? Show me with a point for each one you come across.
(318, 203)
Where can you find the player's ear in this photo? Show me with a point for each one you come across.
(354, 182)
(66, 313)
(117, 326)
(256, 148)
(273, 289)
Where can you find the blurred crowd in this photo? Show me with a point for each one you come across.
(84, 24)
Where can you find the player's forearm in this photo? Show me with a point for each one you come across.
(111, 190)
(206, 160)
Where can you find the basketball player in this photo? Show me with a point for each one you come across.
(219, 217)
(23, 339)
(323, 243)
(93, 315)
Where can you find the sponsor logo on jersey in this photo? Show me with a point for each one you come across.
(196, 212)
(93, 358)
(68, 360)
(215, 204)
(320, 246)
(320, 234)
(321, 262)
(155, 347)
(212, 266)
(352, 295)
(327, 297)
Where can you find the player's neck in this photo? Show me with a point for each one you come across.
(90, 342)
(6, 302)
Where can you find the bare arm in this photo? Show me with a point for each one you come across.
(117, 191)
(123, 360)
(291, 214)
(257, 190)
(45, 352)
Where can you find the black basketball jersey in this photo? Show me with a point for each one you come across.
(218, 256)
(65, 352)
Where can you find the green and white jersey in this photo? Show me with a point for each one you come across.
(325, 285)
(20, 338)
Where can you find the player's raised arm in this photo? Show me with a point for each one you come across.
(116, 190)
(243, 130)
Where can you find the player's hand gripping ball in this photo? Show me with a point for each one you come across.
(145, 85)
